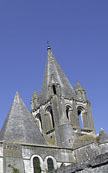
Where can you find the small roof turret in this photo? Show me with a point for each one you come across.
(52, 68)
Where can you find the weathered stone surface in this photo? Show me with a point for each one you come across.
(104, 148)
(97, 164)
(87, 152)
(60, 154)
(15, 162)
(103, 137)
(12, 155)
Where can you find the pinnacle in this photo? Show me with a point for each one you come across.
(78, 86)
(35, 95)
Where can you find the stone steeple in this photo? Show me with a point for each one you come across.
(20, 126)
(54, 71)
(57, 89)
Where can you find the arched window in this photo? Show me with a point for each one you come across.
(50, 164)
(79, 110)
(36, 165)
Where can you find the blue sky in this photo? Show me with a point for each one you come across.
(78, 35)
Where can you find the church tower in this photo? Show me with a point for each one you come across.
(57, 131)
(62, 112)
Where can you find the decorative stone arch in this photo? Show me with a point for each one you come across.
(47, 105)
(68, 104)
(40, 160)
(53, 161)
(81, 108)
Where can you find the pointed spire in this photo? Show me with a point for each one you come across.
(52, 68)
(19, 125)
(78, 86)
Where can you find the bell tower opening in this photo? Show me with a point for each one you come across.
(80, 118)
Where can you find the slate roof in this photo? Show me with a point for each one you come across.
(19, 125)
(52, 68)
